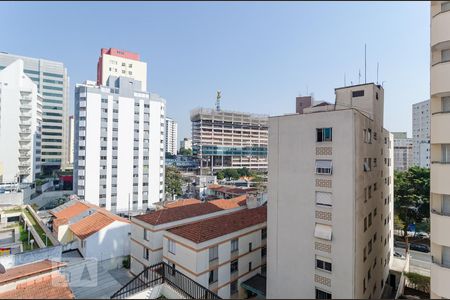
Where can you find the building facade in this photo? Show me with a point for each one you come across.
(403, 151)
(52, 82)
(330, 214)
(440, 149)
(20, 125)
(119, 145)
(71, 140)
(226, 139)
(115, 62)
(421, 115)
(171, 136)
(186, 143)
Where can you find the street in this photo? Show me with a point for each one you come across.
(420, 262)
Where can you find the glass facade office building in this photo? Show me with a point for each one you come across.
(53, 84)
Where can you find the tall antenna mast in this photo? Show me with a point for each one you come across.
(377, 71)
(359, 76)
(219, 95)
(365, 63)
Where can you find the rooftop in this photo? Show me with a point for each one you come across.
(28, 270)
(182, 202)
(209, 229)
(90, 225)
(52, 286)
(70, 210)
(230, 189)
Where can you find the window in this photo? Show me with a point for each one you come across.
(445, 6)
(323, 264)
(365, 254)
(263, 233)
(171, 246)
(369, 245)
(213, 276)
(234, 266)
(250, 247)
(234, 245)
(358, 93)
(233, 287)
(146, 253)
(249, 266)
(370, 219)
(322, 294)
(213, 253)
(324, 134)
(263, 252)
(323, 231)
(445, 104)
(375, 237)
(324, 198)
(370, 192)
(324, 167)
(445, 148)
(365, 224)
(375, 212)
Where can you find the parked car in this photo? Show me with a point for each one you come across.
(422, 235)
(419, 247)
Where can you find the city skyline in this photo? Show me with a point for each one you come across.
(188, 61)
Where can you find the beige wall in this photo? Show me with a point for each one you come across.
(138, 69)
(440, 171)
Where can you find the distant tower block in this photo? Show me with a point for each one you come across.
(302, 103)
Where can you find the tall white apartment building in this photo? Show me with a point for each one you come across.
(226, 139)
(119, 145)
(71, 139)
(440, 149)
(171, 136)
(52, 82)
(116, 62)
(330, 213)
(403, 151)
(421, 115)
(20, 125)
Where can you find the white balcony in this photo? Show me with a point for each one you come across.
(439, 178)
(440, 24)
(440, 280)
(439, 229)
(439, 78)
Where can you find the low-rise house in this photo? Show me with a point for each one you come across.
(94, 231)
(148, 229)
(36, 280)
(226, 192)
(221, 252)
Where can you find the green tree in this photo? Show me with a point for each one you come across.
(232, 173)
(174, 182)
(220, 175)
(184, 151)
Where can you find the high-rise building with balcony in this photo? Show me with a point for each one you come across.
(227, 139)
(403, 151)
(118, 63)
(52, 82)
(440, 149)
(20, 125)
(421, 133)
(171, 136)
(119, 145)
(330, 214)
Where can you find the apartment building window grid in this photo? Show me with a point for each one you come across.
(234, 245)
(213, 253)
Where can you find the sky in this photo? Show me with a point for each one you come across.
(261, 55)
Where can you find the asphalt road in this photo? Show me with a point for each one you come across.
(420, 262)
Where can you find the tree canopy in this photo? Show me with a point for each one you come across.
(174, 182)
(184, 151)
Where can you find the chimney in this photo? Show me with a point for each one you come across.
(302, 103)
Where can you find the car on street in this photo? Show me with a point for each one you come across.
(419, 247)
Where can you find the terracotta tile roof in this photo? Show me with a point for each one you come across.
(208, 229)
(28, 270)
(230, 189)
(230, 203)
(52, 286)
(71, 211)
(167, 215)
(108, 213)
(90, 225)
(182, 202)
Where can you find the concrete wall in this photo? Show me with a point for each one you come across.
(52, 253)
(46, 197)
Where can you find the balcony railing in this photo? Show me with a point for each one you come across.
(163, 273)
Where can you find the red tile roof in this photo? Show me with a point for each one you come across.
(230, 189)
(27, 270)
(71, 211)
(52, 286)
(182, 202)
(90, 225)
(167, 215)
(209, 229)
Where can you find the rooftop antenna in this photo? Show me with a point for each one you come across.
(365, 63)
(219, 95)
(378, 65)
(359, 76)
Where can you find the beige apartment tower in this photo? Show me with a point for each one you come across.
(440, 149)
(330, 214)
